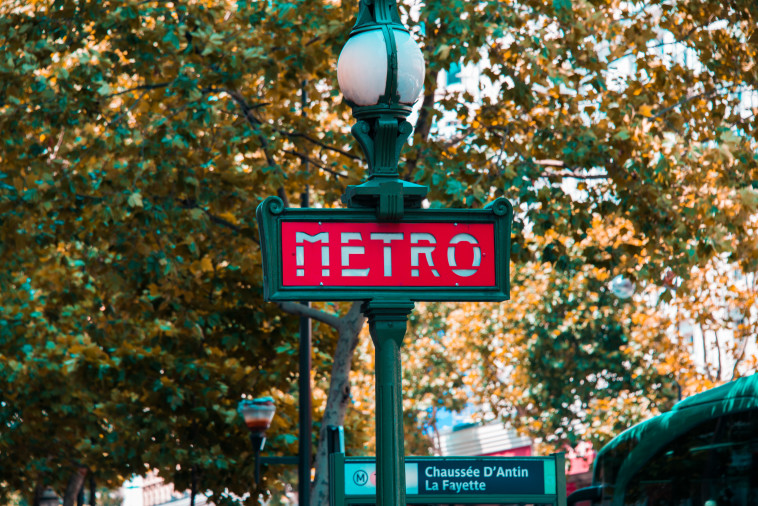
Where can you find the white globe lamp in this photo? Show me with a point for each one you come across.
(364, 63)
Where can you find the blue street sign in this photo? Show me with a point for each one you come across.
(457, 480)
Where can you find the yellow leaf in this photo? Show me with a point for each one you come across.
(206, 265)
(646, 111)
(229, 216)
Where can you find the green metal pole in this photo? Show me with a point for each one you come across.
(560, 474)
(387, 324)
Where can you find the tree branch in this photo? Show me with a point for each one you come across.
(320, 143)
(423, 125)
(188, 204)
(571, 172)
(142, 87)
(457, 140)
(228, 224)
(690, 98)
(573, 175)
(318, 164)
(296, 309)
(353, 320)
(247, 111)
(424, 121)
(283, 195)
(551, 163)
(117, 118)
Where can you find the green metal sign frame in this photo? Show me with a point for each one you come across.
(553, 480)
(271, 213)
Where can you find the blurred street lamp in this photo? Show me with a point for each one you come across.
(258, 414)
(49, 498)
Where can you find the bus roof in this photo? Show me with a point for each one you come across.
(643, 439)
(746, 387)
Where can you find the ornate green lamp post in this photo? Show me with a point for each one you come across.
(381, 73)
(384, 250)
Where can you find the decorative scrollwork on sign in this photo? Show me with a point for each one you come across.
(501, 207)
(273, 205)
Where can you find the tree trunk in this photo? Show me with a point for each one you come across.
(75, 484)
(348, 327)
(337, 398)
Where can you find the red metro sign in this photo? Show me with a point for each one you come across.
(388, 254)
(345, 254)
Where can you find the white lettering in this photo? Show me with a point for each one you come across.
(387, 239)
(461, 486)
(464, 273)
(301, 237)
(346, 251)
(416, 251)
(511, 472)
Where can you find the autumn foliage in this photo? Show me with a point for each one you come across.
(138, 137)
